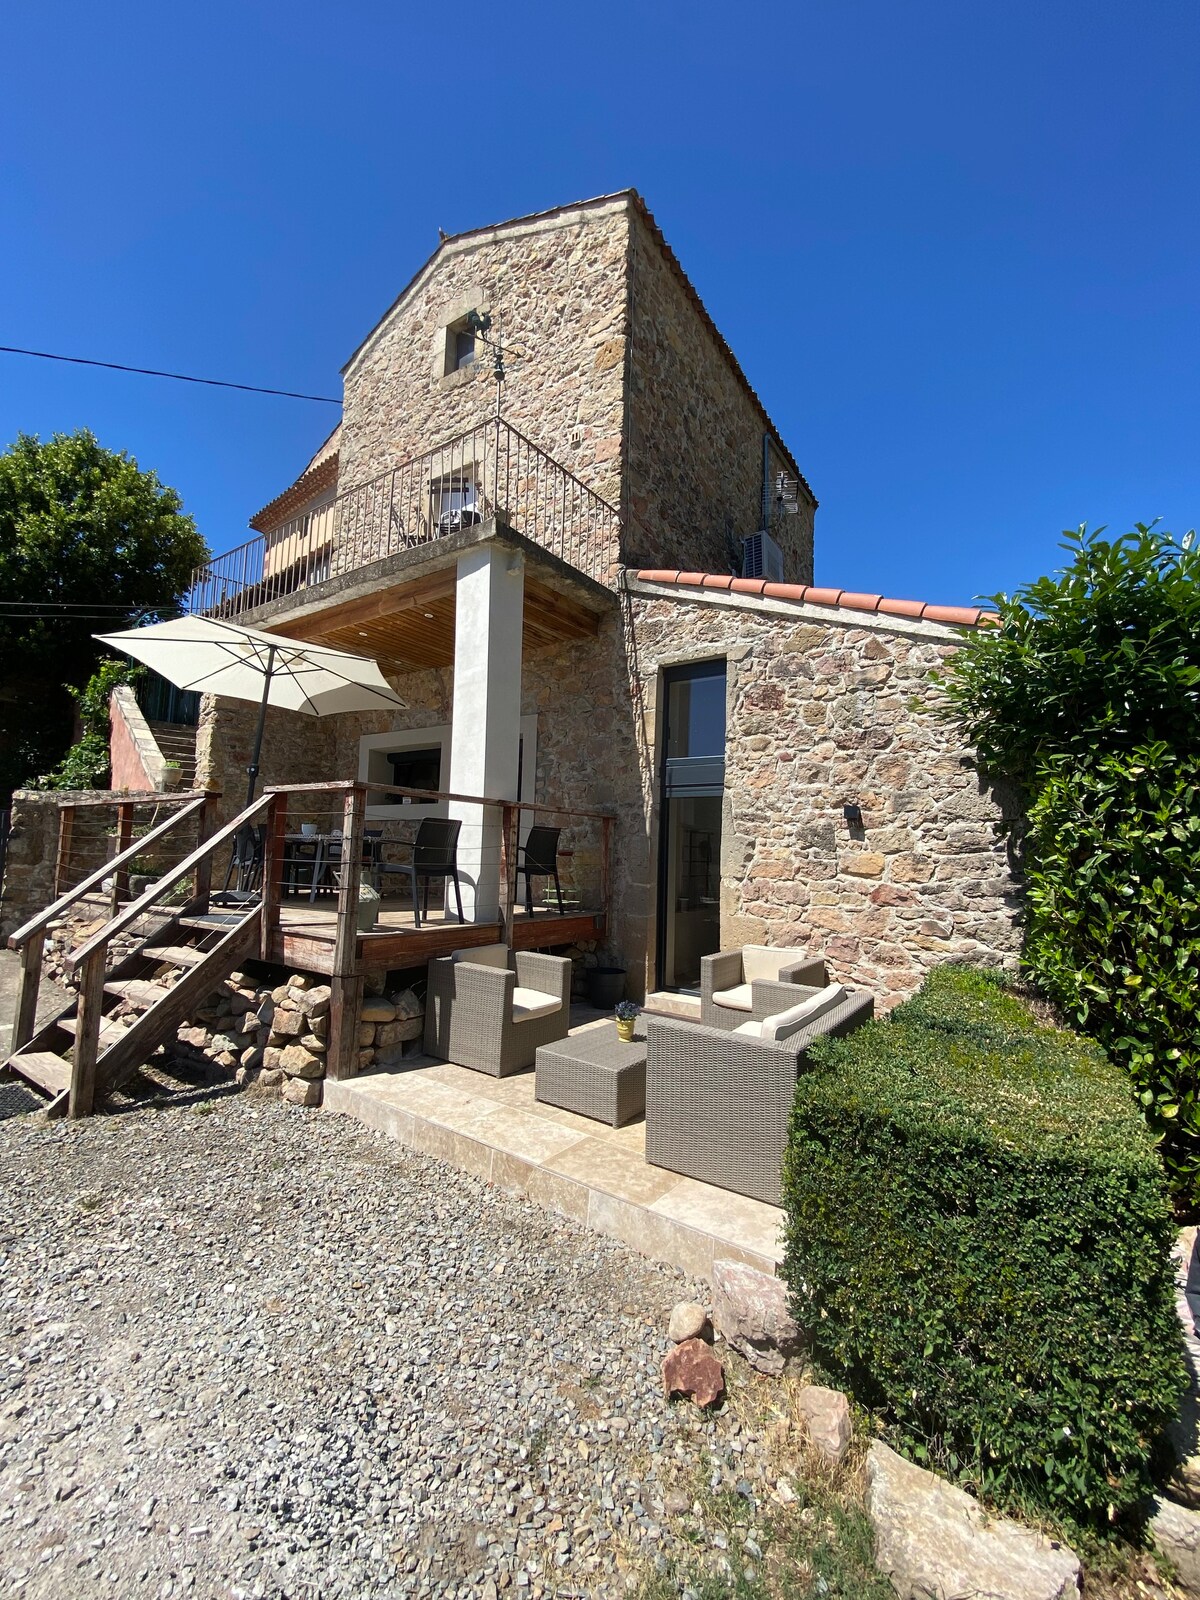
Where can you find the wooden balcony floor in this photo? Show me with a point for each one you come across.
(307, 934)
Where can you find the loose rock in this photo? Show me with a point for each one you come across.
(827, 1415)
(689, 1320)
(750, 1312)
(692, 1369)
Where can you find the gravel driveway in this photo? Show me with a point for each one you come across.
(252, 1350)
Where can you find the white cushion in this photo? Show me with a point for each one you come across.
(738, 999)
(530, 1003)
(749, 1030)
(759, 963)
(484, 955)
(785, 1023)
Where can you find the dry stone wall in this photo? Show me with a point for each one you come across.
(823, 714)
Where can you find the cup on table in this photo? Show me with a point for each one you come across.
(308, 829)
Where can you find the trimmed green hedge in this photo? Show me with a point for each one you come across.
(977, 1241)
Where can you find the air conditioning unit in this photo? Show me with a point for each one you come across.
(762, 557)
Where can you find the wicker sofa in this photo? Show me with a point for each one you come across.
(726, 980)
(491, 1009)
(718, 1101)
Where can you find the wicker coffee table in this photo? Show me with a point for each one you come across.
(595, 1074)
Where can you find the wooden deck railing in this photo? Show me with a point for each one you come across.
(271, 811)
(29, 938)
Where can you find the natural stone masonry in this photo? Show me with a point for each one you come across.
(826, 711)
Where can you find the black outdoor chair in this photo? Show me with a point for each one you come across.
(434, 855)
(541, 861)
(246, 861)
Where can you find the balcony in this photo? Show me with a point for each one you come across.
(493, 470)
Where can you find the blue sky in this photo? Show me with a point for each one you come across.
(954, 244)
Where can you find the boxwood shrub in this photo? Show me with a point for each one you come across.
(978, 1241)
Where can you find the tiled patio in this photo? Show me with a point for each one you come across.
(585, 1170)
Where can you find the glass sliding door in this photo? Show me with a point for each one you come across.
(693, 789)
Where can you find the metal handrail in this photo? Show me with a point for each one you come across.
(491, 470)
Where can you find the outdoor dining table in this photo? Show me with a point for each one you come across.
(320, 862)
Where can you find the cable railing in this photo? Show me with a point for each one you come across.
(492, 470)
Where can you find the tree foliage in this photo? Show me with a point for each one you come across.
(86, 763)
(79, 525)
(1104, 656)
(1088, 692)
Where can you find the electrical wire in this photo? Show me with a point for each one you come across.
(155, 372)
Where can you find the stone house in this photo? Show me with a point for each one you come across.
(533, 515)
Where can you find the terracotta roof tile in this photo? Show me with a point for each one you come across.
(837, 599)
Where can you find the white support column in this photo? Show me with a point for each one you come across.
(485, 731)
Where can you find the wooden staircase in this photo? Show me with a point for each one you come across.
(143, 1001)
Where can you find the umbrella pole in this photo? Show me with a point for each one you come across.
(252, 769)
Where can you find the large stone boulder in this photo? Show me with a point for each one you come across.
(1176, 1533)
(936, 1543)
(750, 1312)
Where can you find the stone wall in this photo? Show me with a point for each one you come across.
(555, 288)
(695, 446)
(29, 858)
(296, 749)
(823, 714)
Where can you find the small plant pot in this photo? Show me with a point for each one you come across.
(605, 986)
(625, 1029)
(172, 777)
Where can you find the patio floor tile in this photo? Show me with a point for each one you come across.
(533, 1138)
(584, 1170)
(603, 1165)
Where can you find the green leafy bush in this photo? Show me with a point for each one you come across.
(1114, 923)
(977, 1241)
(86, 763)
(1089, 694)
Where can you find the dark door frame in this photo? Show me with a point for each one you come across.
(679, 776)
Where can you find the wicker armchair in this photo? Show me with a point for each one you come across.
(725, 980)
(491, 1009)
(718, 1102)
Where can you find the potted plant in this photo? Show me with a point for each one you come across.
(142, 873)
(627, 1015)
(172, 774)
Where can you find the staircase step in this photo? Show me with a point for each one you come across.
(110, 1032)
(44, 1070)
(138, 992)
(178, 955)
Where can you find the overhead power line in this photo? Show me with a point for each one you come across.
(180, 377)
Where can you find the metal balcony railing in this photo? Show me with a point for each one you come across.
(491, 470)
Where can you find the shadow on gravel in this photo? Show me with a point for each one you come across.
(175, 1084)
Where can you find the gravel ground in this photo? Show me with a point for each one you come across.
(253, 1350)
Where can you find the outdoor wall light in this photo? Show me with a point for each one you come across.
(853, 815)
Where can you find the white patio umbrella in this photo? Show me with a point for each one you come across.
(215, 657)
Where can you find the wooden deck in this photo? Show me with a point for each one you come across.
(307, 934)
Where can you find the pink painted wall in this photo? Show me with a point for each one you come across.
(127, 769)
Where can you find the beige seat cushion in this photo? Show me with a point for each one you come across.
(738, 999)
(785, 1023)
(484, 955)
(749, 1030)
(530, 1003)
(761, 964)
